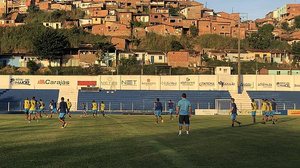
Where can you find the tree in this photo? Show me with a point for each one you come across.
(194, 31)
(50, 44)
(174, 11)
(263, 38)
(32, 66)
(176, 46)
(285, 26)
(297, 22)
(102, 49)
(296, 51)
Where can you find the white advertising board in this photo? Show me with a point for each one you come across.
(130, 82)
(110, 82)
(284, 83)
(5, 82)
(169, 82)
(207, 82)
(265, 82)
(248, 82)
(150, 82)
(188, 82)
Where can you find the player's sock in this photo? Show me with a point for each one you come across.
(187, 132)
(179, 133)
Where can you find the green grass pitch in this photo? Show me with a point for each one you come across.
(121, 141)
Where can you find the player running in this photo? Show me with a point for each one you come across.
(53, 107)
(42, 108)
(254, 109)
(233, 111)
(102, 108)
(69, 105)
(184, 109)
(158, 110)
(32, 110)
(171, 109)
(62, 112)
(274, 108)
(94, 108)
(26, 106)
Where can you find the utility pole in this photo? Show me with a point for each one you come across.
(6, 8)
(239, 56)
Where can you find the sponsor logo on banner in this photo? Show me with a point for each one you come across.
(222, 84)
(294, 112)
(109, 82)
(129, 82)
(281, 112)
(149, 83)
(297, 85)
(20, 81)
(169, 83)
(283, 84)
(206, 84)
(54, 82)
(265, 85)
(86, 83)
(188, 82)
(251, 85)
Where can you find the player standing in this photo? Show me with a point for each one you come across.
(254, 109)
(26, 106)
(171, 109)
(184, 109)
(42, 108)
(69, 105)
(158, 110)
(32, 110)
(102, 108)
(233, 111)
(84, 106)
(94, 108)
(53, 107)
(62, 112)
(264, 108)
(274, 108)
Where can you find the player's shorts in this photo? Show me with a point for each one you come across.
(253, 113)
(171, 111)
(157, 113)
(32, 111)
(94, 111)
(62, 115)
(41, 110)
(272, 113)
(54, 110)
(68, 110)
(233, 116)
(102, 111)
(26, 111)
(265, 113)
(184, 119)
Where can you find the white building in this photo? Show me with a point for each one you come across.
(223, 70)
(53, 25)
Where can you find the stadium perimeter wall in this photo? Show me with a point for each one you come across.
(138, 82)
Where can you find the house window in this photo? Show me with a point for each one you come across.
(172, 21)
(160, 57)
(225, 70)
(278, 72)
(222, 27)
(155, 17)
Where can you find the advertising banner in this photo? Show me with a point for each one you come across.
(284, 82)
(294, 112)
(150, 82)
(248, 82)
(110, 82)
(296, 83)
(22, 82)
(207, 82)
(130, 82)
(227, 82)
(55, 82)
(265, 82)
(188, 82)
(169, 82)
(281, 112)
(4, 82)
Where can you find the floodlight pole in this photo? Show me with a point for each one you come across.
(239, 57)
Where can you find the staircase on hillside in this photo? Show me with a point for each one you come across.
(243, 101)
(71, 94)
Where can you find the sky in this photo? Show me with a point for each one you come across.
(254, 8)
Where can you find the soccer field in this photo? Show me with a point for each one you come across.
(121, 141)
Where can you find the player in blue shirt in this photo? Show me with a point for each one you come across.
(62, 112)
(233, 112)
(53, 107)
(171, 109)
(158, 110)
(184, 109)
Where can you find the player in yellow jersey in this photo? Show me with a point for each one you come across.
(32, 110)
(102, 108)
(26, 106)
(254, 109)
(264, 108)
(69, 105)
(42, 108)
(94, 108)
